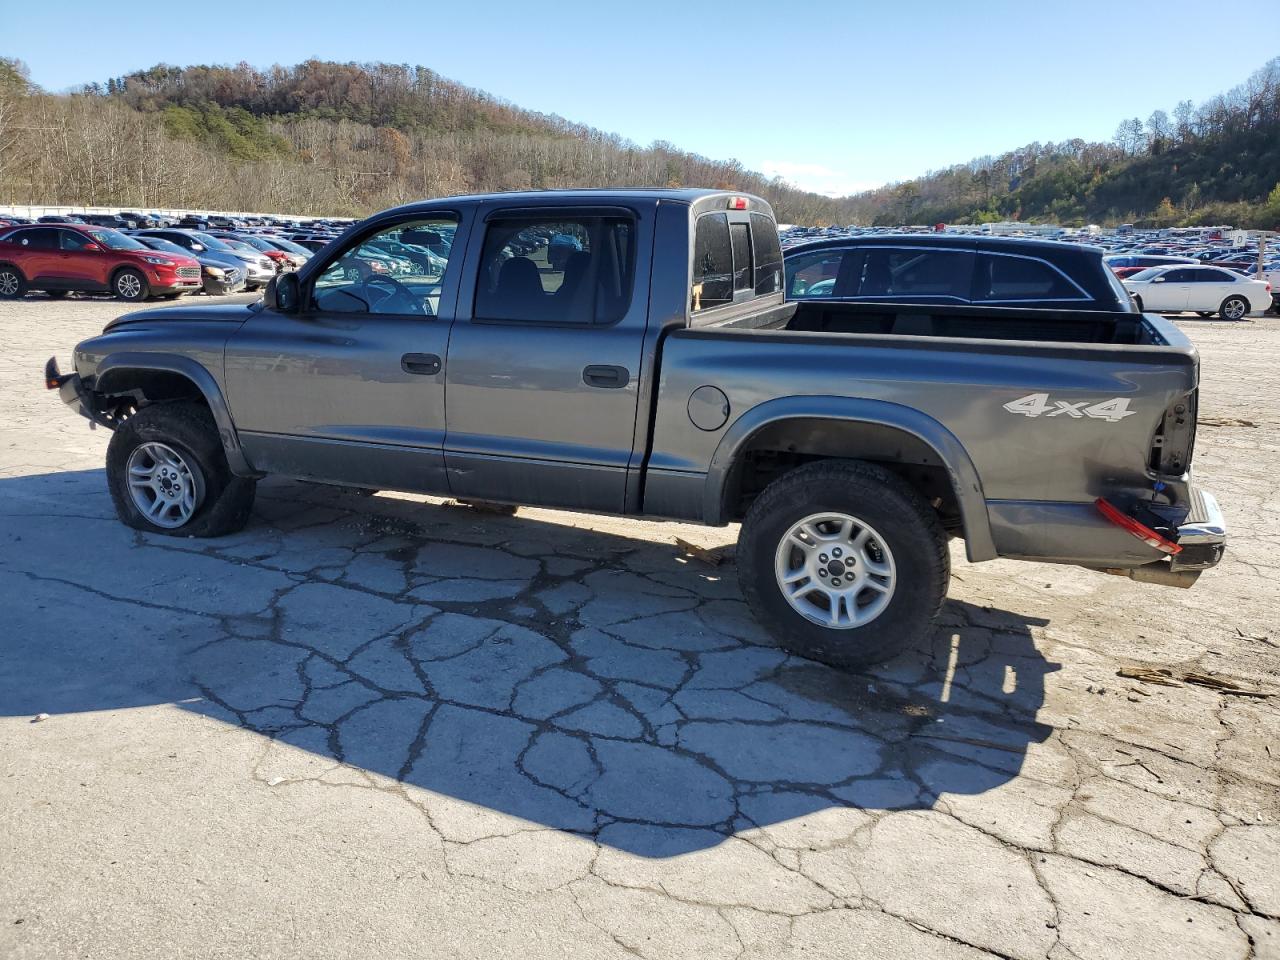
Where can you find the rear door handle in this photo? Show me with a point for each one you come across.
(425, 364)
(606, 375)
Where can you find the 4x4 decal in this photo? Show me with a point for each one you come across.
(1039, 405)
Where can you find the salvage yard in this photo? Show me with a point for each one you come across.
(393, 726)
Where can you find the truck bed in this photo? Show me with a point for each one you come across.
(969, 322)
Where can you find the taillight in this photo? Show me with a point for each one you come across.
(1139, 530)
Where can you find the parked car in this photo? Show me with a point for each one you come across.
(112, 220)
(933, 269)
(297, 253)
(259, 245)
(217, 278)
(1115, 261)
(66, 257)
(1204, 289)
(208, 248)
(662, 373)
(59, 218)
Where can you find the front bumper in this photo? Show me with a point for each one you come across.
(71, 392)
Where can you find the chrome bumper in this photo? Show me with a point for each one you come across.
(1202, 535)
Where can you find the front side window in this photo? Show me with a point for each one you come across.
(73, 240)
(393, 271)
(1013, 278)
(1181, 276)
(556, 270)
(712, 263)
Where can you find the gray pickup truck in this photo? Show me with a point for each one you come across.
(632, 352)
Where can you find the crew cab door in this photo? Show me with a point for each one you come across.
(350, 389)
(544, 358)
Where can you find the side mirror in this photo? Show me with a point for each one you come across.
(283, 293)
(197, 247)
(1158, 280)
(92, 248)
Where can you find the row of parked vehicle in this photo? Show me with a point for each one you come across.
(140, 256)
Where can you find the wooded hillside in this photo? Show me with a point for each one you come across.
(347, 139)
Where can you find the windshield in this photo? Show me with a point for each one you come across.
(168, 246)
(212, 243)
(1147, 274)
(287, 245)
(239, 246)
(115, 240)
(256, 242)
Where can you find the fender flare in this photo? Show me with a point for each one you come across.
(203, 381)
(961, 472)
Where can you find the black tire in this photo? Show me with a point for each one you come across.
(56, 294)
(1232, 304)
(908, 527)
(130, 285)
(13, 284)
(188, 429)
(1204, 313)
(1137, 302)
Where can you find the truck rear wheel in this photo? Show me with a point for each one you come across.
(167, 474)
(843, 563)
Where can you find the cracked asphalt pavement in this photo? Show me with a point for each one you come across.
(389, 726)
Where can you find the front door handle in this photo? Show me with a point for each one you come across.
(606, 375)
(425, 364)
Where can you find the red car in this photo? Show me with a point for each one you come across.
(57, 258)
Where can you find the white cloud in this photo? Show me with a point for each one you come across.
(817, 178)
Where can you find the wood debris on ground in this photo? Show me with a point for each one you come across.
(1167, 678)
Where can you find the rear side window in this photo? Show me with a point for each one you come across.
(768, 254)
(712, 262)
(1210, 276)
(903, 273)
(39, 238)
(562, 270)
(1012, 278)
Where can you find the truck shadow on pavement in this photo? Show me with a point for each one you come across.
(581, 680)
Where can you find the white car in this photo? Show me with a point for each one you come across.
(1204, 289)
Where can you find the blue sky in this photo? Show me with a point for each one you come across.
(834, 96)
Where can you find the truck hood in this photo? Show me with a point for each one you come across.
(230, 313)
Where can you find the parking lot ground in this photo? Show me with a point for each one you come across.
(390, 726)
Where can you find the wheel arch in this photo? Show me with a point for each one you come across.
(170, 377)
(116, 271)
(851, 428)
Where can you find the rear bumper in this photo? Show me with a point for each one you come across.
(1202, 536)
(1077, 533)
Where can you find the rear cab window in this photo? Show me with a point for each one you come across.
(737, 256)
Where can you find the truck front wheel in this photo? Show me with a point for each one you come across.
(167, 474)
(843, 563)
